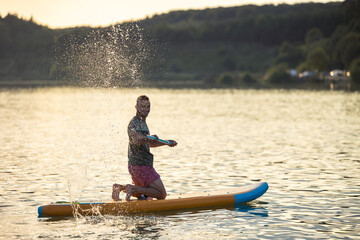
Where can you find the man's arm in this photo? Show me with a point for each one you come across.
(138, 138)
(160, 142)
(157, 143)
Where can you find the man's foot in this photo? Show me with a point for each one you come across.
(129, 189)
(117, 188)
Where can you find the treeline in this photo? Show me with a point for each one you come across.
(25, 49)
(220, 46)
(266, 24)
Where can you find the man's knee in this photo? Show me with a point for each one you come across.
(163, 195)
(159, 186)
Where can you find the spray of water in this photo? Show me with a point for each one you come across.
(116, 56)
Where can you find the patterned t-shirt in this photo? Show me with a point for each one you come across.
(139, 155)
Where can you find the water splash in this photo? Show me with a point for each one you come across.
(116, 56)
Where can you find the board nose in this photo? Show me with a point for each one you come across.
(249, 196)
(40, 213)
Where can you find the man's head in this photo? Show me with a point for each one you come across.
(142, 106)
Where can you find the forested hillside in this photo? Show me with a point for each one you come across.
(236, 46)
(268, 24)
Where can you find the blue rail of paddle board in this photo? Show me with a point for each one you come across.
(249, 196)
(40, 212)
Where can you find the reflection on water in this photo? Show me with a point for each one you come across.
(71, 144)
(252, 210)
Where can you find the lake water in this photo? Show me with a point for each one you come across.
(71, 144)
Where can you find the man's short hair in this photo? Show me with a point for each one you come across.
(142, 98)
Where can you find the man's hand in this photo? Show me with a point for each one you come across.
(173, 143)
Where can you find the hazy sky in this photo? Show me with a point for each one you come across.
(66, 13)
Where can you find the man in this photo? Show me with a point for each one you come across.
(147, 182)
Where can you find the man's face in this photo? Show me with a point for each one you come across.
(143, 108)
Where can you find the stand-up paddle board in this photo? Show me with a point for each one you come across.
(212, 199)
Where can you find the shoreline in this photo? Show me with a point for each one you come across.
(194, 84)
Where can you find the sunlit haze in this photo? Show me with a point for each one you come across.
(70, 13)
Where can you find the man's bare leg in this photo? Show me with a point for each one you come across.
(117, 188)
(155, 189)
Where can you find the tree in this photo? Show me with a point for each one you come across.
(278, 75)
(318, 60)
(5, 39)
(229, 64)
(352, 8)
(312, 36)
(348, 48)
(355, 71)
(248, 78)
(289, 54)
(225, 80)
(339, 32)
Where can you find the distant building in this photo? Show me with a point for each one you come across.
(307, 74)
(293, 72)
(338, 79)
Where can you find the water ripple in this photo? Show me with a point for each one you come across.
(71, 144)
